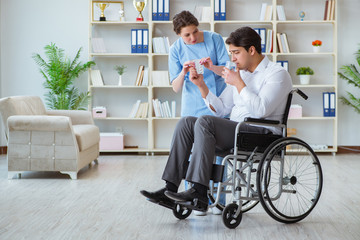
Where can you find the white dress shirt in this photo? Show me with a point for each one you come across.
(264, 95)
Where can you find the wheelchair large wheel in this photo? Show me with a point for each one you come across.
(181, 212)
(289, 180)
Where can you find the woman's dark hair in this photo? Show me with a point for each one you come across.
(245, 37)
(184, 19)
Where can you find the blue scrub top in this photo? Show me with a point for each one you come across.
(213, 46)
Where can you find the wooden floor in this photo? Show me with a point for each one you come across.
(105, 203)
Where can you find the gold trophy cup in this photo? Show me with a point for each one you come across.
(140, 5)
(102, 7)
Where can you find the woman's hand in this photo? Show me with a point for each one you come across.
(187, 65)
(207, 62)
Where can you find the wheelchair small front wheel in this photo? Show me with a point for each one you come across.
(229, 219)
(181, 212)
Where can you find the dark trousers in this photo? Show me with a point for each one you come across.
(206, 133)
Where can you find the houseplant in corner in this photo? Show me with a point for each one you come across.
(120, 70)
(304, 74)
(352, 76)
(59, 73)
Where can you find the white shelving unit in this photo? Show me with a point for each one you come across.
(153, 134)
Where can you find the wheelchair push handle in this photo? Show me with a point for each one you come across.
(301, 93)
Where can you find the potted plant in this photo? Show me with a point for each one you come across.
(120, 70)
(352, 75)
(304, 74)
(316, 46)
(59, 73)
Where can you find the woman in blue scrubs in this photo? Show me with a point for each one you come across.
(194, 44)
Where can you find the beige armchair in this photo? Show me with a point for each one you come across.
(43, 140)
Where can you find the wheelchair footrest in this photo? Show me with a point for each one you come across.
(195, 204)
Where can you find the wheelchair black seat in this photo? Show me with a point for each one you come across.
(247, 141)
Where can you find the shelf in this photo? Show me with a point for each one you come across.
(118, 23)
(305, 22)
(118, 87)
(121, 118)
(313, 118)
(159, 118)
(315, 86)
(118, 54)
(306, 54)
(153, 134)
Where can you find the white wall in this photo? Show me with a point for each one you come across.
(28, 25)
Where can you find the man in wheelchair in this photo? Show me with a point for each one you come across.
(258, 88)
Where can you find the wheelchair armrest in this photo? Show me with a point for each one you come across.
(259, 120)
(263, 122)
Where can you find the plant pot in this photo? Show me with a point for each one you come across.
(304, 79)
(120, 80)
(316, 49)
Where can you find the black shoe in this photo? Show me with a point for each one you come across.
(190, 198)
(159, 197)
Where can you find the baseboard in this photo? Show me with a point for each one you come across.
(341, 149)
(348, 149)
(3, 150)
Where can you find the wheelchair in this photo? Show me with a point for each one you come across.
(282, 173)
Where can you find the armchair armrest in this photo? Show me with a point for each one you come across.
(38, 123)
(76, 116)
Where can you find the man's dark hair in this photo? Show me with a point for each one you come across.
(245, 37)
(184, 19)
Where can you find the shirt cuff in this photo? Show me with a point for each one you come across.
(209, 99)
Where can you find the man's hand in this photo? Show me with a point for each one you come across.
(198, 80)
(233, 78)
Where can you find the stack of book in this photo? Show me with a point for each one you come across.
(96, 78)
(329, 13)
(160, 78)
(139, 110)
(162, 109)
(161, 44)
(281, 12)
(283, 44)
(269, 41)
(160, 10)
(142, 77)
(265, 12)
(202, 13)
(139, 40)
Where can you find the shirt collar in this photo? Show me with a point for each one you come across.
(262, 65)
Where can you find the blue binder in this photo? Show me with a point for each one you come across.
(133, 40)
(332, 104)
(139, 40)
(145, 37)
(166, 10)
(222, 10)
(217, 10)
(155, 10)
(326, 104)
(160, 10)
(262, 33)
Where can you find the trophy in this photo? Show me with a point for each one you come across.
(140, 5)
(102, 7)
